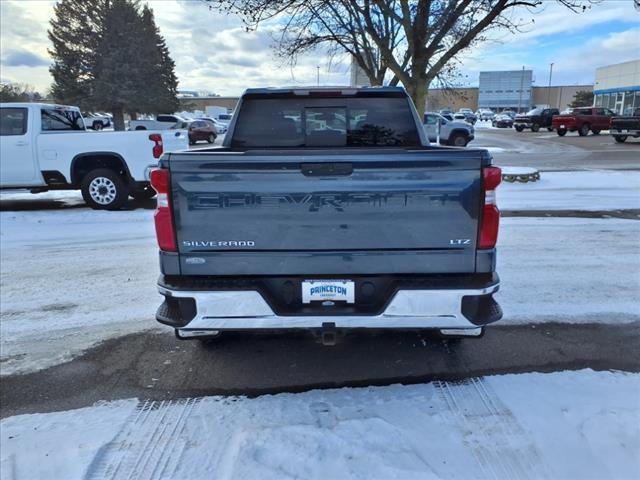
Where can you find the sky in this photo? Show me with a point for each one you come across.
(214, 53)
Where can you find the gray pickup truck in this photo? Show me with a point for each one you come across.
(327, 210)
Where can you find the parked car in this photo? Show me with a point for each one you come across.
(445, 111)
(485, 114)
(460, 117)
(535, 119)
(47, 147)
(225, 118)
(96, 121)
(582, 120)
(502, 121)
(161, 122)
(626, 126)
(510, 113)
(199, 130)
(469, 115)
(219, 127)
(454, 133)
(351, 221)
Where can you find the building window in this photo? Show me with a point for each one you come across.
(598, 102)
(628, 102)
(636, 99)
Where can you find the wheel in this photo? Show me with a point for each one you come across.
(519, 128)
(620, 138)
(143, 193)
(212, 138)
(192, 142)
(584, 130)
(549, 129)
(562, 132)
(595, 131)
(104, 189)
(535, 127)
(97, 126)
(458, 140)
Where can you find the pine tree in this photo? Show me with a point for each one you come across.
(76, 30)
(109, 55)
(162, 67)
(582, 98)
(120, 79)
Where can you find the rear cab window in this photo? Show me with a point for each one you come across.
(13, 121)
(61, 119)
(341, 121)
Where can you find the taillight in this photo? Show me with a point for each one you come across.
(161, 183)
(157, 147)
(490, 221)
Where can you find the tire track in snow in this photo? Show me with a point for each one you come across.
(498, 442)
(149, 446)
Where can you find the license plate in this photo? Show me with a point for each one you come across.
(562, 126)
(332, 290)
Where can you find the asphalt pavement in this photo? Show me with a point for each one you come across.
(547, 151)
(159, 366)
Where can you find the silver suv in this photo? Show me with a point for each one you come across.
(455, 133)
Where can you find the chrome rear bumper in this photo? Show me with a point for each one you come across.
(409, 309)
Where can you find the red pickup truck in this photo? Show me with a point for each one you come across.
(582, 120)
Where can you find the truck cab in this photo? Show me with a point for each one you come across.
(535, 119)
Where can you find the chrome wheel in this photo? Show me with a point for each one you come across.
(102, 190)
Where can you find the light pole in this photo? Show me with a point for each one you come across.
(521, 87)
(549, 88)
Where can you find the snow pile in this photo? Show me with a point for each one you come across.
(562, 425)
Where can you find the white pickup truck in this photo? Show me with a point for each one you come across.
(46, 147)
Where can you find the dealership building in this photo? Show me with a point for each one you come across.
(617, 87)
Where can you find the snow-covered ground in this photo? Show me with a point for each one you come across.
(593, 190)
(71, 278)
(567, 425)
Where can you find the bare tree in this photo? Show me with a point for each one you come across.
(415, 41)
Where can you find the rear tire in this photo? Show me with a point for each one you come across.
(595, 131)
(562, 132)
(535, 127)
(519, 128)
(104, 189)
(458, 140)
(97, 126)
(584, 130)
(211, 138)
(620, 138)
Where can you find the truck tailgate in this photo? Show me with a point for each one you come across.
(411, 211)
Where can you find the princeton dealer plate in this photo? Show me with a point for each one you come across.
(332, 290)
